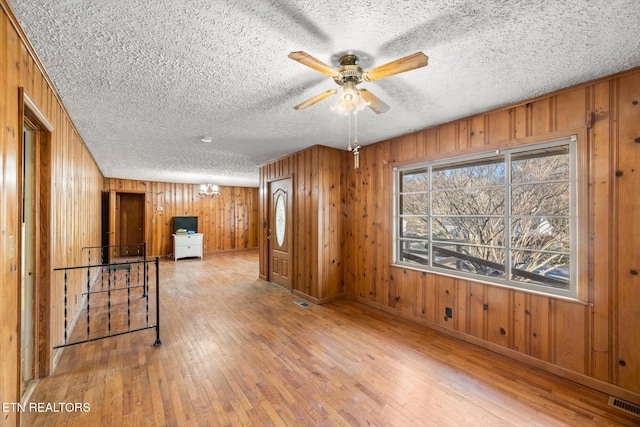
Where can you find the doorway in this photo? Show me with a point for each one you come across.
(27, 302)
(129, 223)
(280, 232)
(35, 243)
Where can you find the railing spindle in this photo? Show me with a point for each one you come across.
(65, 307)
(146, 296)
(89, 309)
(109, 304)
(145, 284)
(158, 342)
(128, 299)
(88, 298)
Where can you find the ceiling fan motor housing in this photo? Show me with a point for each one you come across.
(349, 73)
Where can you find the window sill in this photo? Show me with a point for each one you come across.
(486, 282)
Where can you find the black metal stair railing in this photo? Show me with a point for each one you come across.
(108, 308)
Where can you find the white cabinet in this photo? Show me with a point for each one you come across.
(187, 245)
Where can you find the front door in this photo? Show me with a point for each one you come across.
(280, 226)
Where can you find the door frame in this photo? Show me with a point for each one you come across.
(29, 113)
(113, 219)
(270, 207)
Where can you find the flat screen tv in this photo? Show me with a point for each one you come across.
(189, 223)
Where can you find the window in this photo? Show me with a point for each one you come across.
(505, 217)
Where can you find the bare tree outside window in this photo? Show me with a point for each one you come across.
(540, 221)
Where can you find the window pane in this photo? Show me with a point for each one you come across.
(417, 227)
(478, 173)
(476, 230)
(414, 251)
(414, 204)
(547, 234)
(544, 268)
(469, 259)
(540, 199)
(415, 180)
(472, 201)
(540, 165)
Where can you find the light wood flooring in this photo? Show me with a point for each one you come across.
(237, 351)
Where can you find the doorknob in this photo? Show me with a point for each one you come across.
(269, 235)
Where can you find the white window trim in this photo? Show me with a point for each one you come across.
(572, 293)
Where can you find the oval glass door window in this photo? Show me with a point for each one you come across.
(280, 219)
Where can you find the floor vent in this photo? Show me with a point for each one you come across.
(625, 406)
(303, 304)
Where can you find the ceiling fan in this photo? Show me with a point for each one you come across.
(350, 74)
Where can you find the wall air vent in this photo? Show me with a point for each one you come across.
(625, 406)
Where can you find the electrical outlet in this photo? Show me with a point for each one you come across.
(448, 312)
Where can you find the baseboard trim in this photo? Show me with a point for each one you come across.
(318, 301)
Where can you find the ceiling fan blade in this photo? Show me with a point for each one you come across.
(316, 64)
(315, 99)
(374, 102)
(411, 62)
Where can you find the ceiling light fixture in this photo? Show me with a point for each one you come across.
(206, 139)
(351, 102)
(209, 190)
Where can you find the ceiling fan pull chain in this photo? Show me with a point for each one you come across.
(356, 146)
(355, 127)
(349, 140)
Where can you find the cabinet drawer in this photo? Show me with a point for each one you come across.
(189, 251)
(188, 240)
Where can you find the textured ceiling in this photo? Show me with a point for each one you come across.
(144, 81)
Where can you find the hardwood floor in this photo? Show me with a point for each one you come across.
(237, 351)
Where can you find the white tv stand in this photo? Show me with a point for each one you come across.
(187, 245)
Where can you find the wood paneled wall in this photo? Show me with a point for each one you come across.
(228, 221)
(74, 204)
(596, 339)
(318, 207)
(76, 217)
(593, 341)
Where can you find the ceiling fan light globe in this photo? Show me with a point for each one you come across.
(361, 104)
(339, 108)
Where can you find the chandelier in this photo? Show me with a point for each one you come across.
(209, 190)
